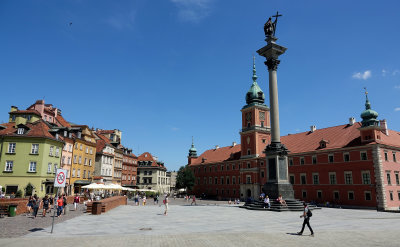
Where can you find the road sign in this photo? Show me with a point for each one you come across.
(61, 177)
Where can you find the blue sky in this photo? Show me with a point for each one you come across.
(163, 71)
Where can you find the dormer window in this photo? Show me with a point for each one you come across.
(13, 118)
(70, 135)
(65, 133)
(79, 135)
(29, 117)
(322, 143)
(21, 131)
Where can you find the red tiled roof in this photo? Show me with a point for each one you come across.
(105, 131)
(393, 139)
(36, 129)
(62, 121)
(341, 136)
(218, 155)
(337, 137)
(26, 112)
(149, 157)
(100, 144)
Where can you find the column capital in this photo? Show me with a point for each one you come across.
(272, 63)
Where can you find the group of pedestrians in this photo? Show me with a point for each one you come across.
(46, 203)
(34, 203)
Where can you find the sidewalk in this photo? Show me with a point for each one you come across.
(218, 225)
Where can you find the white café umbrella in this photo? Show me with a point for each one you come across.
(94, 186)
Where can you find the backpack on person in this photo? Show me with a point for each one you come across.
(309, 213)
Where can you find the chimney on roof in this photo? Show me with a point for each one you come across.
(234, 144)
(216, 147)
(383, 124)
(352, 121)
(14, 108)
(313, 128)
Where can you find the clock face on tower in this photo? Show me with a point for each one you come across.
(248, 116)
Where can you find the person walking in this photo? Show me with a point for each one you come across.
(51, 203)
(46, 203)
(193, 201)
(60, 203)
(306, 215)
(64, 197)
(76, 201)
(36, 205)
(166, 201)
(144, 200)
(29, 206)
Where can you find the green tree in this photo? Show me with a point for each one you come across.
(185, 178)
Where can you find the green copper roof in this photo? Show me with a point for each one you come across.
(192, 150)
(255, 94)
(369, 116)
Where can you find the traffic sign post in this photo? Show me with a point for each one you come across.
(59, 182)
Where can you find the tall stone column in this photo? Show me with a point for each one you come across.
(276, 152)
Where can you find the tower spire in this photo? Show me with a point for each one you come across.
(192, 150)
(254, 69)
(367, 103)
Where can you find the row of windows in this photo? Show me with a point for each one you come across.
(223, 167)
(128, 178)
(88, 150)
(106, 172)
(78, 160)
(389, 177)
(216, 180)
(10, 165)
(223, 192)
(78, 173)
(336, 195)
(128, 168)
(393, 156)
(331, 158)
(348, 178)
(34, 149)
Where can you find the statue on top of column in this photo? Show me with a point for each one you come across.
(270, 27)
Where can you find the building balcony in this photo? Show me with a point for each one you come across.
(266, 129)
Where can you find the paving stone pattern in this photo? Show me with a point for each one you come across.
(217, 225)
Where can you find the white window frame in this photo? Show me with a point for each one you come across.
(20, 131)
(344, 156)
(330, 181)
(11, 147)
(362, 177)
(55, 167)
(57, 152)
(333, 158)
(78, 173)
(315, 174)
(351, 176)
(32, 166)
(51, 150)
(35, 149)
(49, 167)
(9, 166)
(361, 155)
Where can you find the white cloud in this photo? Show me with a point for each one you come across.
(397, 109)
(362, 75)
(384, 72)
(193, 10)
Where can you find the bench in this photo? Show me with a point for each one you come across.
(3, 210)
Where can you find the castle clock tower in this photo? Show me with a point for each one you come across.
(256, 131)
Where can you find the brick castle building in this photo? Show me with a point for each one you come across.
(355, 164)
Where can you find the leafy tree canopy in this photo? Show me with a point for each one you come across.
(185, 178)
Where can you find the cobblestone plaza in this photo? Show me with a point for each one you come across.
(214, 224)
